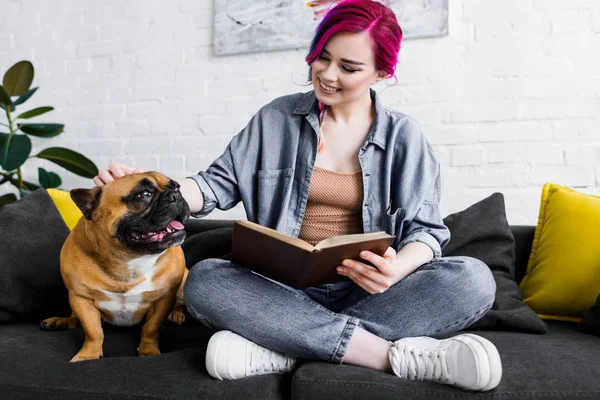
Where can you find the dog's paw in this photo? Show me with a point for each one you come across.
(57, 324)
(83, 356)
(145, 351)
(177, 317)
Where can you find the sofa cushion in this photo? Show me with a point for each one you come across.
(214, 243)
(482, 231)
(563, 274)
(35, 365)
(67, 208)
(557, 365)
(31, 235)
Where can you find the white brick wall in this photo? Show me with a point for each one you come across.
(509, 100)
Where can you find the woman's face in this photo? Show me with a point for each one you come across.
(345, 69)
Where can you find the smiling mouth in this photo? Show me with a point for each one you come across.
(328, 89)
(157, 236)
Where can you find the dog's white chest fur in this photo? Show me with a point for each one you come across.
(123, 306)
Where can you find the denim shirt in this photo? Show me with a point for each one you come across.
(269, 164)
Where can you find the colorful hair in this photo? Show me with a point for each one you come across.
(358, 16)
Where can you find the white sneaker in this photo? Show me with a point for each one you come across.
(467, 361)
(231, 356)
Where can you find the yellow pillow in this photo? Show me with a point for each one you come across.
(563, 273)
(69, 212)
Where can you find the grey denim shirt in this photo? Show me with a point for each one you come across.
(268, 167)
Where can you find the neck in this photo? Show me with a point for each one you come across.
(361, 109)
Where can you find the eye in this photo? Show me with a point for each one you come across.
(349, 70)
(322, 57)
(146, 194)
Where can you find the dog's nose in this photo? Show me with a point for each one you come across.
(171, 196)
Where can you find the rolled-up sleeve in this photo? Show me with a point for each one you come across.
(424, 228)
(419, 177)
(209, 197)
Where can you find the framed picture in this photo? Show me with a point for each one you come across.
(245, 26)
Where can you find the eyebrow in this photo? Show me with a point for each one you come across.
(144, 184)
(344, 59)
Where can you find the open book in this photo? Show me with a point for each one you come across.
(293, 261)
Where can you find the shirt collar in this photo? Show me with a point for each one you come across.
(307, 105)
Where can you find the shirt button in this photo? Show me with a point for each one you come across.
(368, 174)
(366, 204)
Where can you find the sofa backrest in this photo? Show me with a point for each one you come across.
(523, 240)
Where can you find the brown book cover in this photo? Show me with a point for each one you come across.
(293, 261)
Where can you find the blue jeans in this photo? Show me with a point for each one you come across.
(440, 297)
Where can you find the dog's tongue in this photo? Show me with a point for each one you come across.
(176, 225)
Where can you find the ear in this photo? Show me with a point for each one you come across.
(87, 200)
(381, 75)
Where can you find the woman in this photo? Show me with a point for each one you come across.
(330, 162)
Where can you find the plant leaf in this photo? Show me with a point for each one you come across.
(26, 185)
(70, 160)
(7, 199)
(14, 150)
(35, 112)
(18, 78)
(30, 186)
(5, 98)
(48, 179)
(25, 97)
(42, 130)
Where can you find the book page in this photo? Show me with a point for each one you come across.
(347, 239)
(278, 235)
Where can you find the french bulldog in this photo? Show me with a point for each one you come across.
(122, 263)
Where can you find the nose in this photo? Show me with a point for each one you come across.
(172, 191)
(171, 196)
(328, 74)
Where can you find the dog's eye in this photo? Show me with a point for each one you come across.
(146, 194)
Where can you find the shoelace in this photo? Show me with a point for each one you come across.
(420, 364)
(265, 360)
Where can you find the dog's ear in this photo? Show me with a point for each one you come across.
(87, 200)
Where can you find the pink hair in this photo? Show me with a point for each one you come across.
(358, 16)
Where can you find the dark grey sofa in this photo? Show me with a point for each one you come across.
(561, 364)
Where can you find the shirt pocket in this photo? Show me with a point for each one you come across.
(273, 195)
(394, 218)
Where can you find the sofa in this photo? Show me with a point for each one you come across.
(562, 363)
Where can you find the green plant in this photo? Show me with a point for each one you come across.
(15, 146)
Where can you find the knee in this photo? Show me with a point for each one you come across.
(470, 280)
(478, 277)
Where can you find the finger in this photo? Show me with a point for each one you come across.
(98, 181)
(139, 170)
(105, 175)
(361, 271)
(366, 283)
(116, 166)
(390, 254)
(381, 263)
(117, 170)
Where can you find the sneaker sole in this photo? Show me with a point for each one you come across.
(214, 345)
(493, 357)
